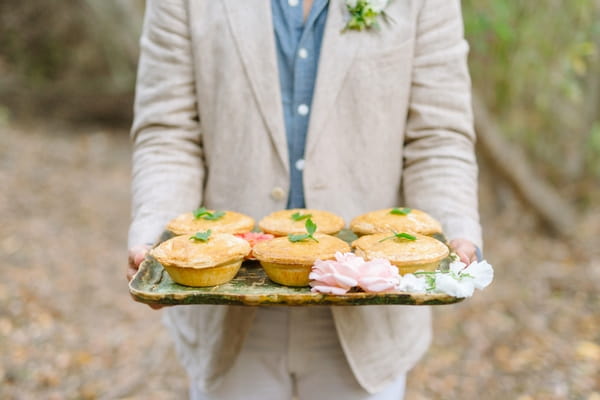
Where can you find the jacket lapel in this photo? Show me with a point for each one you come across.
(252, 26)
(337, 53)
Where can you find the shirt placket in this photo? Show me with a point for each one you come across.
(304, 67)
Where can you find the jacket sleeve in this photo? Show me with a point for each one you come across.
(167, 164)
(440, 169)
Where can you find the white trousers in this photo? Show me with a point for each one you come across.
(293, 353)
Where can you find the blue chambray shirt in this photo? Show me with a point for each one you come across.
(298, 47)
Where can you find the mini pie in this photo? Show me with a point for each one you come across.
(424, 253)
(289, 263)
(196, 263)
(231, 222)
(280, 223)
(416, 221)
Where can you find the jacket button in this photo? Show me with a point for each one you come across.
(278, 193)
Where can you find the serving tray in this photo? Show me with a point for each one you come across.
(251, 287)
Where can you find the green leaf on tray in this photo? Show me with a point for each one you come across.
(311, 228)
(200, 212)
(201, 236)
(297, 216)
(401, 211)
(214, 216)
(297, 238)
(203, 213)
(401, 235)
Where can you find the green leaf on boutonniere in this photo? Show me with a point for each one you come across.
(201, 236)
(401, 211)
(363, 14)
(299, 217)
(401, 235)
(311, 228)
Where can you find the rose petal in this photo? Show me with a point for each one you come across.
(412, 283)
(482, 273)
(376, 284)
(328, 289)
(457, 266)
(445, 283)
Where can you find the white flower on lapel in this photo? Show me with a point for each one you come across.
(363, 13)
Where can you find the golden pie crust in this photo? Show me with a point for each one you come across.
(196, 263)
(424, 253)
(290, 263)
(280, 223)
(231, 222)
(416, 221)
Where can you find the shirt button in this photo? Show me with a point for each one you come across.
(300, 164)
(293, 3)
(303, 53)
(303, 109)
(278, 193)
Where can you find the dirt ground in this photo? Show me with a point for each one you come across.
(69, 330)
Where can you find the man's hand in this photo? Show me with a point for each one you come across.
(136, 256)
(464, 249)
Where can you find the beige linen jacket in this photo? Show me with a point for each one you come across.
(390, 125)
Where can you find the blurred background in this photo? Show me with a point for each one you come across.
(68, 328)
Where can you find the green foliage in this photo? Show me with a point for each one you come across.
(537, 67)
(593, 149)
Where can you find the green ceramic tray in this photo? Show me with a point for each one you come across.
(153, 285)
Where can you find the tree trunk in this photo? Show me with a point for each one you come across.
(512, 165)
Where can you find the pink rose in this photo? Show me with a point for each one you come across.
(335, 276)
(378, 275)
(348, 271)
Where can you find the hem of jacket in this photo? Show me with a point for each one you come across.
(196, 376)
(374, 387)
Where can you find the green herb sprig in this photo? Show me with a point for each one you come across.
(401, 211)
(297, 216)
(203, 213)
(214, 216)
(430, 277)
(311, 228)
(401, 235)
(201, 236)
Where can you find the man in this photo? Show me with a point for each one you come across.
(259, 105)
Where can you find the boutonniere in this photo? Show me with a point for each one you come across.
(364, 13)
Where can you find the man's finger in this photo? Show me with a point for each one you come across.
(139, 257)
(465, 250)
(131, 273)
